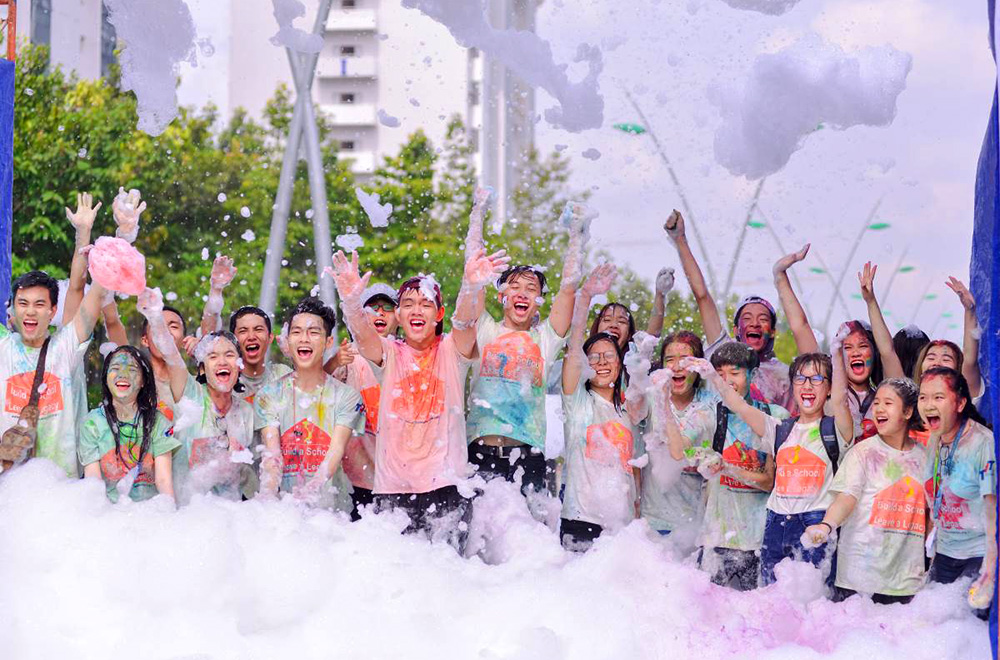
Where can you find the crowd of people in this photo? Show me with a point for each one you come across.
(869, 461)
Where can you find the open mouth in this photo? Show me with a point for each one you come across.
(123, 385)
(858, 367)
(29, 324)
(754, 336)
(418, 324)
(614, 332)
(808, 400)
(223, 375)
(881, 419)
(679, 380)
(603, 373)
(934, 422)
(521, 307)
(304, 352)
(252, 350)
(380, 324)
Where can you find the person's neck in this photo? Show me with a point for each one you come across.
(222, 401)
(125, 409)
(511, 324)
(254, 370)
(951, 434)
(160, 371)
(860, 388)
(606, 392)
(897, 439)
(810, 417)
(308, 379)
(681, 400)
(421, 345)
(34, 343)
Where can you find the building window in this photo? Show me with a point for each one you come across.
(348, 4)
(347, 98)
(109, 41)
(347, 145)
(348, 51)
(41, 22)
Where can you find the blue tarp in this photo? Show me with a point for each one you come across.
(6, 178)
(985, 277)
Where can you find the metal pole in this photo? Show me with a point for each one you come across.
(289, 163)
(11, 22)
(847, 263)
(693, 226)
(739, 243)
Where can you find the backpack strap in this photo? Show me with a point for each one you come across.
(867, 403)
(782, 433)
(828, 431)
(721, 427)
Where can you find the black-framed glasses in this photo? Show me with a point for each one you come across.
(387, 307)
(815, 379)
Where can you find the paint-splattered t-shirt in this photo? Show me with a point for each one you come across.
(97, 445)
(881, 544)
(770, 380)
(272, 372)
(421, 443)
(802, 468)
(964, 480)
(62, 402)
(359, 458)
(600, 442)
(508, 382)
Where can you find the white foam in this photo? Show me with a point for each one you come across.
(285, 13)
(378, 214)
(771, 7)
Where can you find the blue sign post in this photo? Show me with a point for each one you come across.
(6, 178)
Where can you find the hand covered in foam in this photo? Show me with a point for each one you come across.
(85, 214)
(664, 282)
(600, 280)
(662, 377)
(150, 302)
(127, 209)
(474, 236)
(481, 269)
(787, 261)
(117, 266)
(837, 343)
(223, 272)
(346, 276)
(700, 366)
(311, 491)
(815, 536)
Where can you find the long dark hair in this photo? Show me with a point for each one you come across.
(146, 401)
(597, 322)
(960, 387)
(616, 394)
(918, 366)
(908, 343)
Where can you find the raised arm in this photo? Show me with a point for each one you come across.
(598, 283)
(480, 270)
(127, 208)
(664, 285)
(223, 272)
(838, 385)
(474, 236)
(113, 322)
(755, 419)
(561, 315)
(710, 321)
(350, 286)
(150, 305)
(83, 221)
(891, 366)
(970, 341)
(805, 340)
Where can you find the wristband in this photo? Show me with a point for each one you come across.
(828, 525)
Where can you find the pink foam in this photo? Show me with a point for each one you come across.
(117, 266)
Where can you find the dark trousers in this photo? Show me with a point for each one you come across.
(500, 463)
(783, 538)
(945, 569)
(840, 594)
(360, 497)
(439, 514)
(739, 569)
(577, 535)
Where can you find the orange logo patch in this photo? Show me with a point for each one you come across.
(50, 400)
(370, 396)
(420, 399)
(901, 507)
(798, 472)
(114, 469)
(741, 456)
(608, 442)
(514, 357)
(303, 447)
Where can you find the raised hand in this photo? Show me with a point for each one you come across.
(866, 278)
(662, 377)
(674, 226)
(127, 209)
(345, 275)
(963, 293)
(700, 366)
(838, 339)
(787, 261)
(664, 282)
(481, 269)
(223, 272)
(189, 343)
(600, 280)
(150, 302)
(85, 213)
(481, 199)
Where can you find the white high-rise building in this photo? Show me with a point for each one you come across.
(79, 37)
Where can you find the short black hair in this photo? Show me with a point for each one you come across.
(514, 271)
(249, 309)
(735, 354)
(167, 308)
(821, 361)
(315, 306)
(35, 278)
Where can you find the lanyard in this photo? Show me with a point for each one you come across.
(943, 467)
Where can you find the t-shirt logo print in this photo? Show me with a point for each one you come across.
(741, 456)
(608, 442)
(50, 400)
(513, 357)
(798, 472)
(303, 447)
(900, 507)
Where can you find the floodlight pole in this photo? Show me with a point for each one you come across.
(303, 122)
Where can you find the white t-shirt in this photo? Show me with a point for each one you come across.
(421, 444)
(508, 381)
(272, 372)
(359, 457)
(62, 401)
(881, 544)
(803, 470)
(770, 381)
(600, 441)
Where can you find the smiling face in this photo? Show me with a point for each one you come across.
(33, 311)
(124, 377)
(382, 313)
(683, 380)
(520, 298)
(940, 355)
(889, 412)
(307, 340)
(939, 406)
(859, 357)
(736, 377)
(221, 365)
(754, 326)
(418, 316)
(602, 356)
(252, 334)
(614, 321)
(811, 396)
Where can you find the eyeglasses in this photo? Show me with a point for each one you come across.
(385, 307)
(608, 356)
(815, 379)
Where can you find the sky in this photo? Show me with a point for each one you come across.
(670, 54)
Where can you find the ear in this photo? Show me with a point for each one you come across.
(962, 404)
(330, 341)
(440, 314)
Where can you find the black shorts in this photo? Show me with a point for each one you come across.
(578, 535)
(441, 514)
(495, 463)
